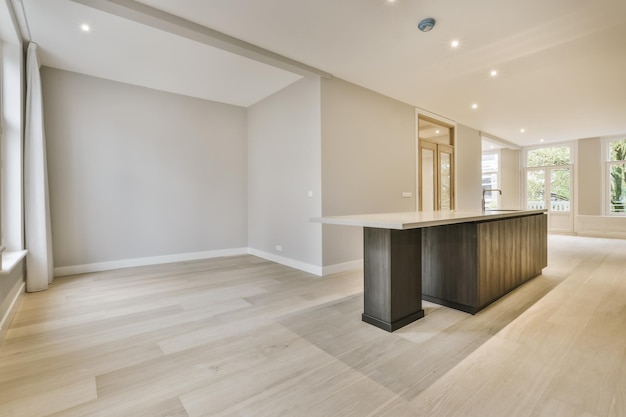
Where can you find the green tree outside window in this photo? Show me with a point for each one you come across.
(617, 172)
(559, 178)
(545, 157)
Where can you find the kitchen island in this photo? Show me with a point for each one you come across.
(463, 260)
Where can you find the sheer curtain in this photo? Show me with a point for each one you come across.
(39, 267)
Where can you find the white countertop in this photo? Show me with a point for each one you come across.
(417, 219)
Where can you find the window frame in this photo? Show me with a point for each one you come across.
(494, 196)
(548, 168)
(606, 180)
(12, 98)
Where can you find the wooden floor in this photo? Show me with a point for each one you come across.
(245, 337)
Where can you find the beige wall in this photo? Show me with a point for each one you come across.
(368, 160)
(510, 179)
(139, 173)
(468, 155)
(284, 165)
(590, 172)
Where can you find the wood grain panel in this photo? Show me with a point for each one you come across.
(449, 268)
(467, 266)
(377, 273)
(511, 252)
(392, 277)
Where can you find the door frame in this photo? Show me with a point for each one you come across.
(432, 147)
(450, 124)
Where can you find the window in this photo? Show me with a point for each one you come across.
(490, 169)
(11, 111)
(549, 178)
(549, 184)
(616, 177)
(543, 157)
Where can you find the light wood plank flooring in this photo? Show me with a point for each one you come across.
(245, 337)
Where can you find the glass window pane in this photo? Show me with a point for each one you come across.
(617, 150)
(617, 175)
(490, 182)
(536, 190)
(490, 162)
(560, 189)
(557, 155)
(446, 176)
(490, 179)
(428, 179)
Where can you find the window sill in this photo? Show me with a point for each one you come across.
(10, 260)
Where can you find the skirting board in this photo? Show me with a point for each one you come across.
(303, 266)
(154, 260)
(601, 226)
(346, 266)
(7, 318)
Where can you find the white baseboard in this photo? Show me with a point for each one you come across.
(7, 318)
(601, 226)
(346, 266)
(154, 260)
(302, 266)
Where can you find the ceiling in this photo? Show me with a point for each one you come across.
(561, 63)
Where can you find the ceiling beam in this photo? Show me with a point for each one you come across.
(150, 16)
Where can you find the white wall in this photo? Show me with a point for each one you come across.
(141, 174)
(138, 173)
(368, 160)
(590, 172)
(284, 165)
(468, 155)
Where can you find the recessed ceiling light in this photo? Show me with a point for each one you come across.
(522, 130)
(493, 73)
(454, 43)
(85, 27)
(437, 131)
(541, 140)
(491, 147)
(474, 106)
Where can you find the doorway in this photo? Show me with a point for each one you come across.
(435, 162)
(549, 184)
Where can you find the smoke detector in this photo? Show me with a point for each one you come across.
(425, 25)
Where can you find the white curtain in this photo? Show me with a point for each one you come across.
(39, 268)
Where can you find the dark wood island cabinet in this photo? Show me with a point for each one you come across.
(463, 260)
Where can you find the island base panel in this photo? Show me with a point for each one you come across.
(392, 327)
(469, 266)
(447, 303)
(392, 277)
